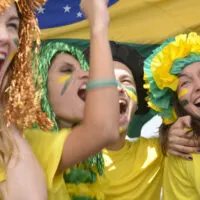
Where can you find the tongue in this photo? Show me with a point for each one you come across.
(123, 119)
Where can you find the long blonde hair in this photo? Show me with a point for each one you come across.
(6, 137)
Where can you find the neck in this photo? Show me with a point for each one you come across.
(119, 144)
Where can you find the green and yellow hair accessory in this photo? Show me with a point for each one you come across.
(161, 71)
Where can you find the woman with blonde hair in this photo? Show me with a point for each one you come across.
(20, 174)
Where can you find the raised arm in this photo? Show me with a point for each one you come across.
(101, 117)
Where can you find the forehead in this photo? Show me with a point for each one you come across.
(122, 69)
(192, 68)
(11, 11)
(65, 58)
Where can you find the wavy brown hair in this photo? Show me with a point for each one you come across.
(6, 138)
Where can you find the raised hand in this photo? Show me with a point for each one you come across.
(96, 13)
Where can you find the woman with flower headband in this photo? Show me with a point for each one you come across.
(63, 153)
(21, 177)
(172, 75)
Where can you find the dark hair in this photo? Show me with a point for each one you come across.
(180, 111)
(134, 61)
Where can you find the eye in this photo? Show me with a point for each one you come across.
(127, 82)
(184, 83)
(13, 25)
(67, 69)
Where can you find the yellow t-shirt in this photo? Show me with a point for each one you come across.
(134, 172)
(48, 149)
(181, 178)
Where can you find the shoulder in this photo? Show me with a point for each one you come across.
(142, 143)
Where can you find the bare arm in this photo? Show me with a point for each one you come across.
(24, 177)
(101, 117)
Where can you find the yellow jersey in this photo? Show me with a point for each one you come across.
(135, 171)
(181, 178)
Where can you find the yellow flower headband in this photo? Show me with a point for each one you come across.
(161, 70)
(23, 106)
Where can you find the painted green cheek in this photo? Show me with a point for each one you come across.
(131, 93)
(16, 42)
(184, 102)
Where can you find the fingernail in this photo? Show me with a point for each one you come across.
(190, 158)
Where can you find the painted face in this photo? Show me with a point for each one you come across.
(127, 95)
(66, 89)
(9, 25)
(189, 89)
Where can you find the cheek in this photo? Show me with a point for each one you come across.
(183, 93)
(184, 96)
(131, 92)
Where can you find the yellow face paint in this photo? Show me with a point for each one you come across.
(15, 42)
(120, 129)
(12, 55)
(187, 129)
(131, 93)
(64, 78)
(182, 93)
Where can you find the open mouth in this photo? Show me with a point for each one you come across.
(197, 102)
(2, 60)
(123, 105)
(82, 92)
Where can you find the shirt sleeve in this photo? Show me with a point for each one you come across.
(48, 148)
(181, 178)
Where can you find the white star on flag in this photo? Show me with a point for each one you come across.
(67, 8)
(41, 10)
(79, 14)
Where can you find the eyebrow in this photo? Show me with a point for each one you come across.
(14, 18)
(183, 75)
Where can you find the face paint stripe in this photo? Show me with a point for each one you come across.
(182, 93)
(132, 96)
(65, 87)
(131, 89)
(131, 93)
(12, 55)
(16, 41)
(64, 78)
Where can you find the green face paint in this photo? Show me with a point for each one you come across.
(16, 42)
(66, 79)
(131, 93)
(184, 102)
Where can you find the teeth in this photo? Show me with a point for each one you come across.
(122, 102)
(2, 57)
(83, 87)
(197, 101)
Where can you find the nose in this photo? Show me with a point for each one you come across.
(83, 74)
(120, 88)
